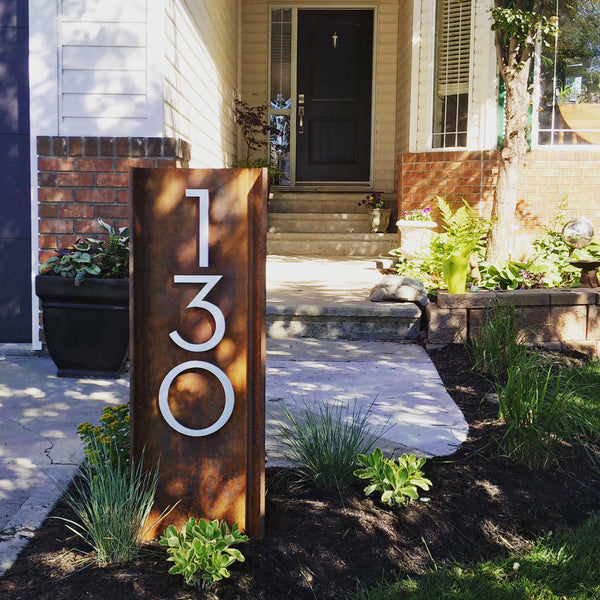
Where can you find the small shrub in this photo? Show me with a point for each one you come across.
(202, 551)
(112, 501)
(322, 443)
(112, 434)
(397, 481)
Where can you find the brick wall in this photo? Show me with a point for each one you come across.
(81, 179)
(548, 176)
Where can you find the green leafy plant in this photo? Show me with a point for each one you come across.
(112, 434)
(322, 443)
(108, 258)
(112, 502)
(201, 551)
(397, 480)
(424, 270)
(463, 230)
(514, 275)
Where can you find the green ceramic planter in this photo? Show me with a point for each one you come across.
(455, 273)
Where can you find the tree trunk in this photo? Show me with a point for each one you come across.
(513, 151)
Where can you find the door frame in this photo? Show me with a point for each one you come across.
(293, 111)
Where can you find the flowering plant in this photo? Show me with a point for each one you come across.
(373, 200)
(418, 214)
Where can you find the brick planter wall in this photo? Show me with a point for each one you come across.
(561, 319)
(81, 179)
(548, 176)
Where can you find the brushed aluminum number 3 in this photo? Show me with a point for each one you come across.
(209, 281)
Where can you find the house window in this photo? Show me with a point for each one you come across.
(280, 91)
(452, 74)
(569, 104)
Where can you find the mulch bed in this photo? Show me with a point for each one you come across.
(318, 544)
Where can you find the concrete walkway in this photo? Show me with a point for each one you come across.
(40, 450)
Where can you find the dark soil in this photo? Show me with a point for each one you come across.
(318, 545)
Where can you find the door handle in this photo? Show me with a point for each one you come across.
(301, 119)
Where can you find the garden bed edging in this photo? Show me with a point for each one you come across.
(558, 319)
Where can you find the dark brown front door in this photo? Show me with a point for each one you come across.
(335, 61)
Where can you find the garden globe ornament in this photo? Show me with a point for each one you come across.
(578, 233)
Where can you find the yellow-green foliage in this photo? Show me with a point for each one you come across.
(112, 433)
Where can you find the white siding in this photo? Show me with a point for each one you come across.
(200, 78)
(255, 19)
(109, 76)
(482, 102)
(403, 91)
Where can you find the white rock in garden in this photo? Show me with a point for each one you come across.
(399, 289)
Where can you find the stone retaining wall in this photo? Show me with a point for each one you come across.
(561, 319)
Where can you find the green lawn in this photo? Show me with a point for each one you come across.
(561, 566)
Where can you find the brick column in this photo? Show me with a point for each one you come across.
(81, 179)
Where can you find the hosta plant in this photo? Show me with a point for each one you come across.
(397, 480)
(202, 551)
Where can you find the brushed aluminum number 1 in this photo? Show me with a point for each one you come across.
(209, 281)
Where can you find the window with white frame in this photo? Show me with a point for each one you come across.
(452, 73)
(569, 98)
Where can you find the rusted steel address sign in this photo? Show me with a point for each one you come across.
(198, 341)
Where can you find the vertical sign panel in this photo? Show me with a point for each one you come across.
(198, 341)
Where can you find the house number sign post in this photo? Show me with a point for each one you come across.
(198, 341)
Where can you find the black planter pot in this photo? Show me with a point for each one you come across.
(86, 327)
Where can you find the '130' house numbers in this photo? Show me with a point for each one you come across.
(198, 341)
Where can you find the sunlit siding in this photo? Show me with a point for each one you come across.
(423, 83)
(200, 78)
(403, 92)
(104, 74)
(255, 39)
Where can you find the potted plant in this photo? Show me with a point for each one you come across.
(416, 232)
(84, 291)
(378, 210)
(463, 231)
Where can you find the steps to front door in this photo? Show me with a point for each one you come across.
(323, 223)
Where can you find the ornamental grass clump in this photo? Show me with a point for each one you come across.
(498, 342)
(111, 501)
(547, 412)
(322, 443)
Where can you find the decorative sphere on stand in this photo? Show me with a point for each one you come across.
(578, 233)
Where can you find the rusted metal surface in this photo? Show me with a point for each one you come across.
(220, 475)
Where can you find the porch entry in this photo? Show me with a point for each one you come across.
(330, 111)
(333, 125)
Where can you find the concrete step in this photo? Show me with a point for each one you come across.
(327, 202)
(371, 321)
(328, 297)
(318, 223)
(319, 244)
